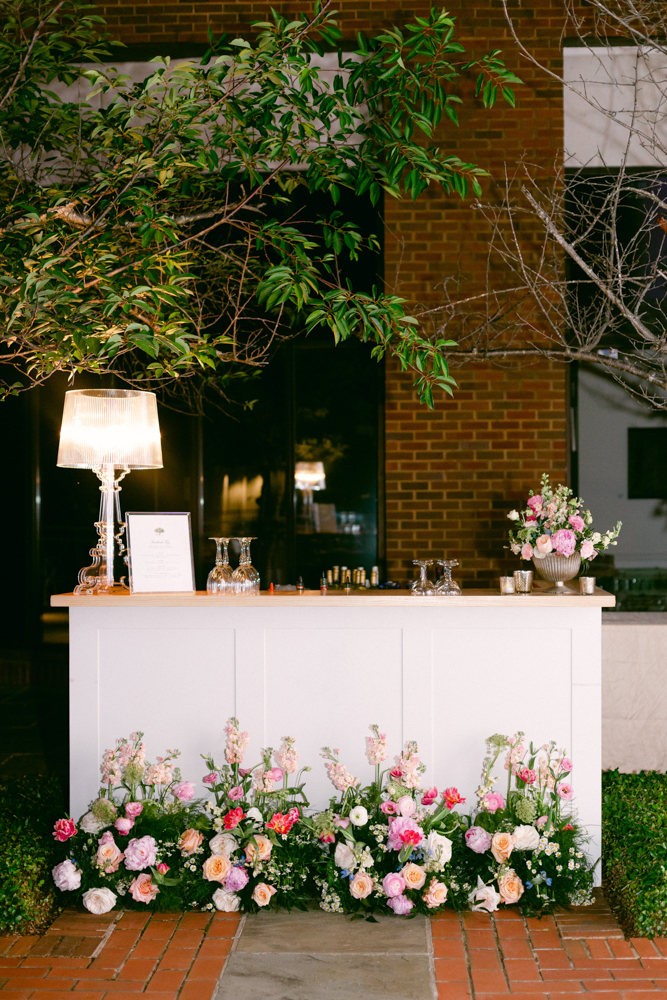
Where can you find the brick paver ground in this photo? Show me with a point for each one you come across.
(176, 956)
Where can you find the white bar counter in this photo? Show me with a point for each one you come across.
(445, 671)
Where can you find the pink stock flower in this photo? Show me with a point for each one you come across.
(564, 541)
(401, 905)
(493, 801)
(184, 791)
(393, 884)
(237, 742)
(63, 829)
(287, 757)
(577, 522)
(478, 839)
(406, 805)
(530, 777)
(376, 747)
(429, 796)
(140, 853)
(340, 777)
(211, 778)
(236, 793)
(403, 830)
(565, 791)
(124, 824)
(588, 550)
(143, 889)
(388, 808)
(527, 551)
(162, 868)
(133, 809)
(535, 503)
(237, 879)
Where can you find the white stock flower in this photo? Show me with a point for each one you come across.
(99, 900)
(344, 856)
(439, 847)
(227, 901)
(223, 843)
(359, 816)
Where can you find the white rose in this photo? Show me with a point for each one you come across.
(344, 856)
(227, 901)
(513, 515)
(66, 876)
(439, 848)
(255, 814)
(526, 838)
(223, 843)
(99, 900)
(359, 816)
(484, 898)
(90, 824)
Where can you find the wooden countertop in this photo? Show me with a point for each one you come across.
(335, 599)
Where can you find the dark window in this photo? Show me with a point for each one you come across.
(647, 463)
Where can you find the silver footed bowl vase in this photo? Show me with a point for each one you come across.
(557, 569)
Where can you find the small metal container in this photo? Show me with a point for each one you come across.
(523, 579)
(587, 585)
(507, 585)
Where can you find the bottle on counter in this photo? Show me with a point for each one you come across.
(375, 577)
(324, 585)
(336, 578)
(329, 578)
(299, 586)
(348, 583)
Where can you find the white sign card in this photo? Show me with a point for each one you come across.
(160, 551)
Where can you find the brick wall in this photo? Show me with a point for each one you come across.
(452, 474)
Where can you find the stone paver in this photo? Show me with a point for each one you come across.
(318, 956)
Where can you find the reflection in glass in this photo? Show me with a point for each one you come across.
(220, 578)
(245, 578)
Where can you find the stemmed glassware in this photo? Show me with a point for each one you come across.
(423, 586)
(445, 584)
(220, 578)
(245, 578)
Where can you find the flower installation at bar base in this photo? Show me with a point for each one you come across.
(391, 846)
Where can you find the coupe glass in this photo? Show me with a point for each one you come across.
(445, 584)
(220, 578)
(423, 586)
(245, 578)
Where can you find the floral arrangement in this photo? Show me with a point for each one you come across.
(556, 521)
(388, 846)
(525, 847)
(388, 843)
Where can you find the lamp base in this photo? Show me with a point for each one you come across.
(99, 576)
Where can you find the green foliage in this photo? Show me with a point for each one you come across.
(150, 233)
(634, 847)
(28, 809)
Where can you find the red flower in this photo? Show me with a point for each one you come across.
(396, 773)
(162, 868)
(429, 796)
(64, 829)
(283, 823)
(233, 818)
(568, 826)
(451, 797)
(413, 837)
(530, 777)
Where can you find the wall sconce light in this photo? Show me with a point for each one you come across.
(309, 476)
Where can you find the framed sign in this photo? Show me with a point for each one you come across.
(160, 552)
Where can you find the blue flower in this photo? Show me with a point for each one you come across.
(529, 885)
(344, 872)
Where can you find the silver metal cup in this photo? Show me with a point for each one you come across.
(507, 585)
(523, 579)
(586, 584)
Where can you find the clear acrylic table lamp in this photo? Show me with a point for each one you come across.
(110, 431)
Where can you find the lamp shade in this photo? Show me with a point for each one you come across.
(116, 427)
(309, 476)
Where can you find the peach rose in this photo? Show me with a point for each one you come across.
(109, 855)
(436, 894)
(413, 875)
(544, 544)
(189, 841)
(361, 885)
(501, 845)
(510, 887)
(262, 893)
(143, 889)
(216, 868)
(265, 847)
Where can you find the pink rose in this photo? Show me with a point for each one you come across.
(393, 884)
(63, 829)
(527, 551)
(388, 808)
(478, 839)
(140, 853)
(211, 778)
(577, 522)
(406, 805)
(535, 503)
(435, 895)
(429, 796)
(124, 825)
(543, 544)
(401, 905)
(564, 541)
(237, 879)
(565, 791)
(143, 889)
(236, 793)
(184, 791)
(275, 774)
(588, 550)
(403, 830)
(493, 801)
(361, 885)
(133, 809)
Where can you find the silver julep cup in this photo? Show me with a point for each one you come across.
(507, 585)
(523, 579)
(587, 585)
